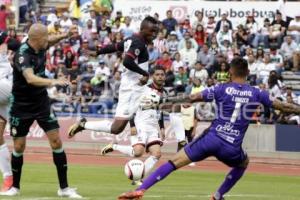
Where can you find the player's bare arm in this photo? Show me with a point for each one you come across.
(286, 107)
(52, 40)
(41, 82)
(184, 99)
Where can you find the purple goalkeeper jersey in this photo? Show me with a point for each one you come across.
(235, 105)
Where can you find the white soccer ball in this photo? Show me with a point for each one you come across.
(135, 169)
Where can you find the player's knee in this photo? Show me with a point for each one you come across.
(117, 127)
(56, 143)
(19, 147)
(245, 163)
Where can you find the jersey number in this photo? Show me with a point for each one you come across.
(127, 45)
(236, 112)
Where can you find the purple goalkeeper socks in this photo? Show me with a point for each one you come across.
(232, 177)
(157, 175)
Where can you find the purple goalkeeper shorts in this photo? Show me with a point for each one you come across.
(209, 144)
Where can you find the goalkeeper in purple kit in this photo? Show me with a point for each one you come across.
(236, 102)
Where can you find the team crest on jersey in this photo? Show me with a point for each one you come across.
(21, 59)
(137, 52)
(14, 131)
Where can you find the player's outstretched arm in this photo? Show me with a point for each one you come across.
(41, 82)
(111, 48)
(52, 40)
(184, 99)
(286, 107)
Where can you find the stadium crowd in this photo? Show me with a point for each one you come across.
(195, 54)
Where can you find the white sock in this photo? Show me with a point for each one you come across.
(149, 164)
(5, 166)
(101, 126)
(125, 149)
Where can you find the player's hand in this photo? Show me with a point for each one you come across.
(144, 80)
(133, 131)
(162, 134)
(60, 82)
(72, 30)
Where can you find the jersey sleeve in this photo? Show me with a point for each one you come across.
(22, 62)
(133, 48)
(211, 93)
(264, 98)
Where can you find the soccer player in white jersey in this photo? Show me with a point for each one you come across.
(133, 79)
(149, 125)
(7, 46)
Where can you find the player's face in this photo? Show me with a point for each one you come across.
(159, 77)
(150, 32)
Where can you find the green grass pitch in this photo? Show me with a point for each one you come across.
(39, 182)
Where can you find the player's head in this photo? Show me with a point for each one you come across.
(12, 43)
(159, 76)
(239, 68)
(149, 28)
(38, 36)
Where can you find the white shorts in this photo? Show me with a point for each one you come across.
(128, 102)
(177, 126)
(5, 91)
(147, 135)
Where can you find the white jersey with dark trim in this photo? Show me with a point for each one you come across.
(136, 48)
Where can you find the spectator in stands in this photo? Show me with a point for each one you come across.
(160, 42)
(165, 61)
(222, 22)
(12, 33)
(197, 86)
(73, 99)
(241, 38)
(114, 84)
(92, 16)
(153, 54)
(54, 29)
(177, 63)
(170, 78)
(263, 34)
(87, 97)
(110, 60)
(23, 10)
(65, 22)
(274, 88)
(222, 76)
(3, 17)
(56, 56)
(277, 59)
(294, 28)
(87, 30)
(69, 59)
(227, 50)
(214, 47)
(181, 80)
(287, 50)
(260, 54)
(296, 59)
(278, 30)
(74, 73)
(199, 35)
(97, 83)
(288, 91)
(224, 34)
(103, 70)
(199, 20)
(172, 43)
(253, 69)
(182, 42)
(210, 27)
(188, 54)
(52, 16)
(87, 75)
(170, 22)
(104, 30)
(205, 57)
(116, 28)
(251, 27)
(249, 51)
(265, 68)
(199, 72)
(127, 29)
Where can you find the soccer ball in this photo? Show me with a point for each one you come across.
(135, 169)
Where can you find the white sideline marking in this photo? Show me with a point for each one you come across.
(207, 196)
